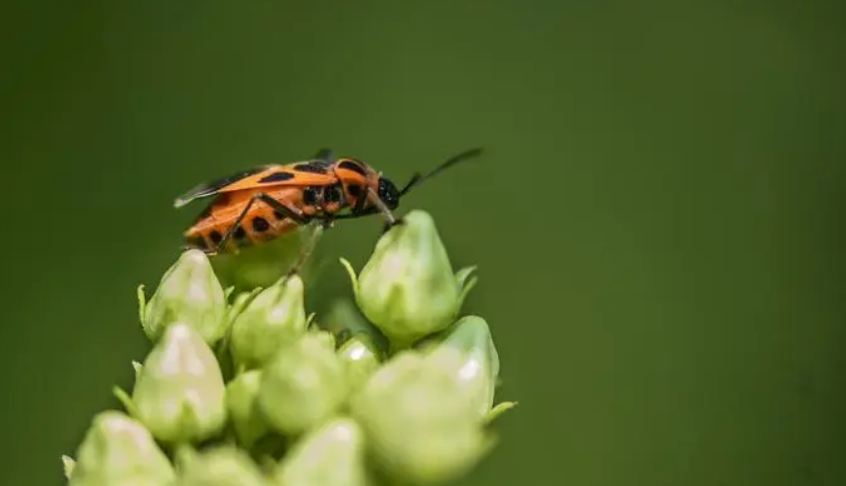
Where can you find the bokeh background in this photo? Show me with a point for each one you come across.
(657, 220)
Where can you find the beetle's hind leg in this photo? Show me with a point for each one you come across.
(308, 248)
(295, 215)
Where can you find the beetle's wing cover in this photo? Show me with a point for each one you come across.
(257, 177)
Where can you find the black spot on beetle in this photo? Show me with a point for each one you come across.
(332, 194)
(315, 167)
(215, 236)
(350, 165)
(240, 233)
(260, 224)
(354, 191)
(277, 177)
(311, 195)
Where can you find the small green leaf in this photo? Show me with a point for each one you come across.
(465, 285)
(138, 368)
(142, 304)
(68, 464)
(125, 400)
(462, 275)
(351, 272)
(498, 410)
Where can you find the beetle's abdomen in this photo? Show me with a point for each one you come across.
(259, 224)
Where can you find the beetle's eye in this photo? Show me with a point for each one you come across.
(388, 193)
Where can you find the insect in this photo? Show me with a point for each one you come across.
(262, 203)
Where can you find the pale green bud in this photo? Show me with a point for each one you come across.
(275, 316)
(407, 288)
(325, 338)
(361, 359)
(241, 401)
(344, 318)
(249, 267)
(180, 393)
(222, 466)
(469, 355)
(419, 427)
(118, 450)
(190, 293)
(303, 385)
(330, 455)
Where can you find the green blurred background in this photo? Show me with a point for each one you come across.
(657, 221)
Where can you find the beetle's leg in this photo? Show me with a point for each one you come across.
(378, 206)
(295, 215)
(354, 215)
(298, 217)
(309, 246)
(231, 230)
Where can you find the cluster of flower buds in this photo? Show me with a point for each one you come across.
(251, 391)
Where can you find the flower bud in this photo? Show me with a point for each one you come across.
(222, 466)
(344, 318)
(469, 355)
(118, 450)
(419, 428)
(241, 396)
(407, 288)
(331, 455)
(180, 393)
(275, 316)
(189, 292)
(249, 268)
(303, 385)
(361, 359)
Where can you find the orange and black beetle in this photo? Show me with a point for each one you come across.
(265, 202)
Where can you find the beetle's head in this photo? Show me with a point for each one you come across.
(388, 193)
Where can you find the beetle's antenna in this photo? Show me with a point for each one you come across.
(417, 178)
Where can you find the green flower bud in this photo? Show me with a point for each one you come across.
(407, 288)
(275, 316)
(325, 338)
(241, 401)
(361, 359)
(180, 393)
(419, 428)
(303, 386)
(331, 455)
(249, 268)
(190, 293)
(222, 466)
(469, 355)
(119, 450)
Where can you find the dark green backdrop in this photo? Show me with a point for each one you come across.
(657, 222)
